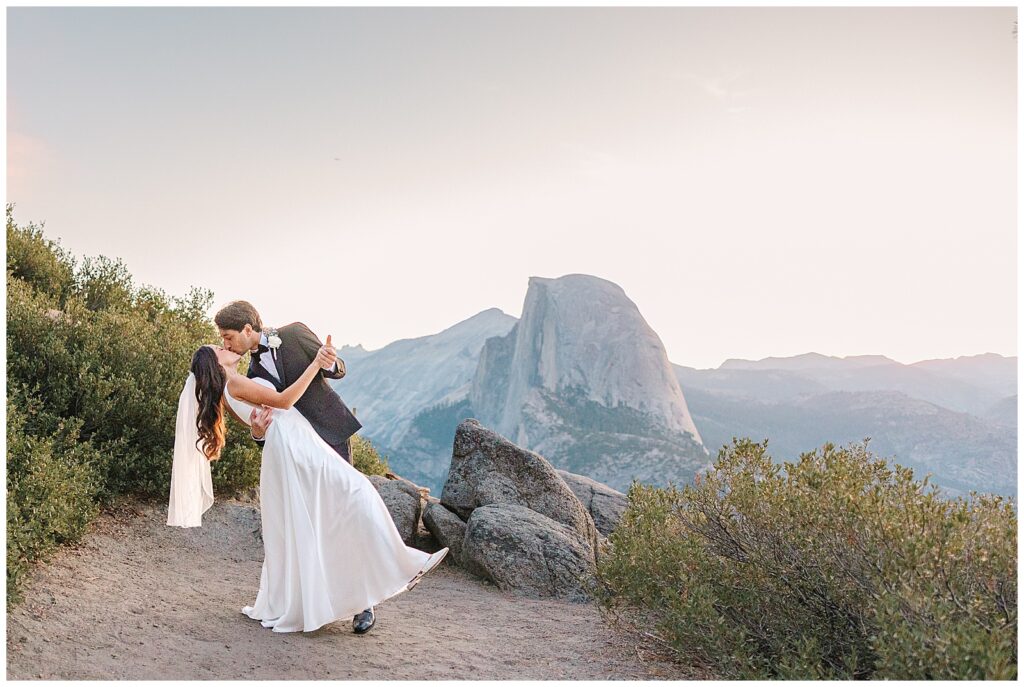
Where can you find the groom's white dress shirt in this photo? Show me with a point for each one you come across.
(267, 360)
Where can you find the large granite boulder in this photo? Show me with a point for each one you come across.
(605, 505)
(402, 498)
(489, 469)
(528, 553)
(447, 527)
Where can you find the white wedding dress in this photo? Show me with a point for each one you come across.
(331, 548)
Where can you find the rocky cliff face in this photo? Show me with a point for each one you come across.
(582, 336)
(583, 379)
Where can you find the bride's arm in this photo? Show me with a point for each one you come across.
(257, 394)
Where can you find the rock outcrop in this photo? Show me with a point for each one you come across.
(605, 505)
(525, 528)
(489, 469)
(525, 552)
(508, 516)
(403, 500)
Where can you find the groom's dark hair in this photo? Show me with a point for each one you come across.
(236, 314)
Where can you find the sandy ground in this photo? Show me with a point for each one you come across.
(140, 600)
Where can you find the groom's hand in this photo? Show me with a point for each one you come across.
(259, 419)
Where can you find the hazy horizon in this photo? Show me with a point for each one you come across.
(760, 181)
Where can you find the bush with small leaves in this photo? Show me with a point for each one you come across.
(836, 566)
(52, 483)
(366, 458)
(41, 264)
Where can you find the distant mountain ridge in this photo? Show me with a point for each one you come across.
(989, 370)
(946, 383)
(807, 361)
(927, 415)
(583, 380)
(389, 386)
(1003, 412)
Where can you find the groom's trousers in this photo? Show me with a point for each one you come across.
(344, 449)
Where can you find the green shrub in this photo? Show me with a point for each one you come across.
(239, 464)
(40, 263)
(51, 487)
(365, 457)
(119, 371)
(105, 284)
(836, 566)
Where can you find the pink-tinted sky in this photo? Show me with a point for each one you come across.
(760, 181)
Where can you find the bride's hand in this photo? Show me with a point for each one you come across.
(331, 355)
(326, 356)
(323, 359)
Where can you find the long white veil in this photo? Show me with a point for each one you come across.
(191, 482)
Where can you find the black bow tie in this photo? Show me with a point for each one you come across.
(259, 351)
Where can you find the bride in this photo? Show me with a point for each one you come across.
(331, 548)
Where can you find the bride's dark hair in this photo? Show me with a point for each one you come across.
(210, 380)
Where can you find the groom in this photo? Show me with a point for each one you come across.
(280, 358)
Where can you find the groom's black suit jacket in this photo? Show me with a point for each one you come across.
(324, 409)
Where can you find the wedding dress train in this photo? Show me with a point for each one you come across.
(331, 547)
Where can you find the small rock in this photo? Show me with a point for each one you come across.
(447, 527)
(606, 505)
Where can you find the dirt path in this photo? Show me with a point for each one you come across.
(140, 600)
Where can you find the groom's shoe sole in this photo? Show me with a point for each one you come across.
(416, 580)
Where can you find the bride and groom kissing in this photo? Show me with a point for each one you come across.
(331, 548)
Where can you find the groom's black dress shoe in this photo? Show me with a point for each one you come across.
(362, 622)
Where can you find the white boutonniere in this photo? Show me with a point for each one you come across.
(273, 340)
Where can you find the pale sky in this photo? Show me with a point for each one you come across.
(759, 181)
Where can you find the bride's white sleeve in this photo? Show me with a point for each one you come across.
(191, 481)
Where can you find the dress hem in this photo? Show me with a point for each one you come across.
(403, 588)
